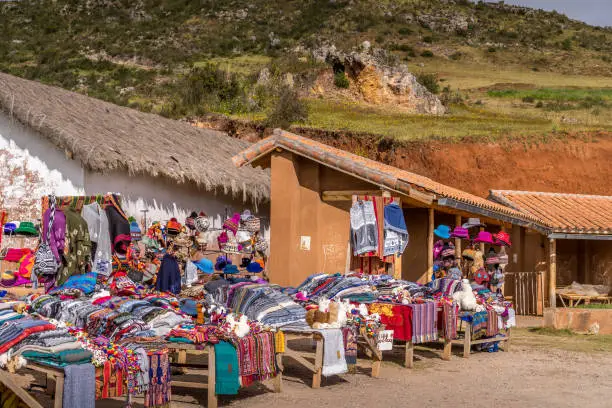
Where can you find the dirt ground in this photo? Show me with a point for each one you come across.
(543, 368)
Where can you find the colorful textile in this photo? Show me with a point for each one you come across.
(479, 325)
(79, 386)
(97, 223)
(110, 381)
(424, 322)
(492, 323)
(57, 233)
(364, 230)
(256, 357)
(118, 225)
(400, 321)
(449, 320)
(349, 335)
(226, 369)
(396, 233)
(159, 393)
(85, 283)
(76, 260)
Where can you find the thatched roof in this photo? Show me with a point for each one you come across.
(104, 137)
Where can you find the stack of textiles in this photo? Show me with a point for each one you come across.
(191, 334)
(391, 290)
(264, 304)
(444, 287)
(338, 287)
(424, 322)
(40, 341)
(256, 357)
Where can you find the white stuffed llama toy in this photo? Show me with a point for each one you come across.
(465, 298)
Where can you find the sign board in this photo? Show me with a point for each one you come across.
(384, 340)
(305, 243)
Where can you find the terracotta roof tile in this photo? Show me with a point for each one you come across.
(376, 172)
(566, 213)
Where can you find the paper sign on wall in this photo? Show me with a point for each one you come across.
(384, 340)
(305, 243)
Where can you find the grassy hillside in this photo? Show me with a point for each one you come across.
(502, 70)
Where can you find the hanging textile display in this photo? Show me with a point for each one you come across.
(396, 233)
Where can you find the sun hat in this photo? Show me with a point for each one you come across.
(190, 221)
(232, 223)
(484, 236)
(443, 231)
(135, 231)
(260, 262)
(245, 262)
(173, 227)
(492, 258)
(502, 238)
(9, 228)
(205, 265)
(460, 232)
(231, 269)
(254, 267)
(473, 222)
(481, 276)
(26, 228)
(202, 223)
(221, 262)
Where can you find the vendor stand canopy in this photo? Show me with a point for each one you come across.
(311, 196)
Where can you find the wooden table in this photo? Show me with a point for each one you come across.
(467, 341)
(179, 354)
(15, 388)
(365, 343)
(572, 297)
(55, 375)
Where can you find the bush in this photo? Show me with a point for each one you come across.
(429, 81)
(428, 39)
(539, 104)
(427, 54)
(491, 49)
(404, 31)
(566, 44)
(289, 108)
(340, 80)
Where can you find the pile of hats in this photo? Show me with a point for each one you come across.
(25, 228)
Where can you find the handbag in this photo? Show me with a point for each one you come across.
(45, 263)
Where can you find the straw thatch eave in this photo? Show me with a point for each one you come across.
(104, 137)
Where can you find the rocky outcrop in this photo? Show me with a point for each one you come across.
(380, 81)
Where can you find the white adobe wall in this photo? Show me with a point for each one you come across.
(59, 174)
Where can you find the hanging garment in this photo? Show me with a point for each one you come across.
(364, 230)
(118, 226)
(169, 276)
(79, 386)
(334, 361)
(191, 274)
(396, 233)
(226, 369)
(97, 223)
(77, 259)
(424, 322)
(57, 232)
(159, 392)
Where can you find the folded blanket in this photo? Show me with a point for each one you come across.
(226, 369)
(79, 386)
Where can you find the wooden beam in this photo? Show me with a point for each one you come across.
(482, 245)
(430, 244)
(8, 382)
(346, 195)
(552, 272)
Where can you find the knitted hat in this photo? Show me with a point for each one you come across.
(173, 227)
(460, 232)
(135, 231)
(481, 276)
(190, 221)
(201, 222)
(232, 223)
(502, 238)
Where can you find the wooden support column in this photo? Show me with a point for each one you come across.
(552, 272)
(482, 245)
(430, 244)
(458, 240)
(588, 276)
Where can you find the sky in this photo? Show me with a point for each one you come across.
(594, 12)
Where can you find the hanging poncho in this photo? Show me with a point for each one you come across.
(364, 231)
(169, 275)
(119, 226)
(396, 233)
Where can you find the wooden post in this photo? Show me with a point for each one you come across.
(409, 355)
(552, 272)
(446, 354)
(430, 244)
(508, 334)
(467, 341)
(588, 278)
(458, 240)
(212, 396)
(59, 392)
(482, 245)
(318, 365)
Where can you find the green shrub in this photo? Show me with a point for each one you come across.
(566, 44)
(428, 39)
(429, 81)
(404, 31)
(540, 104)
(427, 54)
(340, 80)
(289, 108)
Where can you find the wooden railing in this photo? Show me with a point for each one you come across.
(527, 291)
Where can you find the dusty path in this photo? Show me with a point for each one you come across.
(539, 371)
